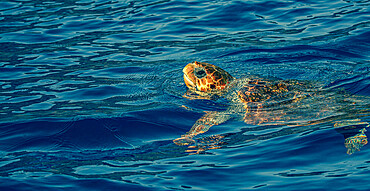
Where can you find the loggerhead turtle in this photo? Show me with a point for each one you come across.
(255, 101)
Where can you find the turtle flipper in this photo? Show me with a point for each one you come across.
(354, 143)
(202, 125)
(184, 140)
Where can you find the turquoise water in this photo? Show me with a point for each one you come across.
(92, 94)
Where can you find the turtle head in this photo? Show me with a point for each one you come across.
(206, 77)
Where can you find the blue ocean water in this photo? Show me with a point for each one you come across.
(92, 94)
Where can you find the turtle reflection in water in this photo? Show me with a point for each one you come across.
(258, 101)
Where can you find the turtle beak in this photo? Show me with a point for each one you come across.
(188, 82)
(189, 76)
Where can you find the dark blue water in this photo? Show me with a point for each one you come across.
(91, 94)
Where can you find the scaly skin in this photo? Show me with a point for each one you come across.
(204, 77)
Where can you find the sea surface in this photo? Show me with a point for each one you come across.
(92, 94)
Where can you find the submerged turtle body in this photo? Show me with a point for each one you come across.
(247, 96)
(253, 100)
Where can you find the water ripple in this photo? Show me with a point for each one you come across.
(92, 91)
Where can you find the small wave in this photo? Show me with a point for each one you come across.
(92, 94)
(359, 85)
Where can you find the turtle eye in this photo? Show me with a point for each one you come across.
(200, 73)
